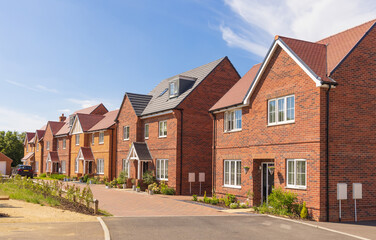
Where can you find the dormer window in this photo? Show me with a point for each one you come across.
(173, 89)
(71, 120)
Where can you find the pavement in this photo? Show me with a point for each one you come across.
(214, 227)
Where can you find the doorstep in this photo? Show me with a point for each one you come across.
(239, 210)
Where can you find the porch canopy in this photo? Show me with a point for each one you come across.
(51, 157)
(86, 155)
(27, 157)
(139, 152)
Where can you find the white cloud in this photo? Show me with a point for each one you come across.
(38, 88)
(19, 121)
(303, 19)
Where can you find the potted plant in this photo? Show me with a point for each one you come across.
(138, 189)
(107, 185)
(246, 169)
(133, 184)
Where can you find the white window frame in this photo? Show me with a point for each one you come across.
(27, 147)
(175, 93)
(163, 127)
(48, 145)
(76, 166)
(230, 183)
(77, 139)
(100, 166)
(284, 121)
(37, 147)
(295, 174)
(92, 138)
(126, 134)
(146, 127)
(101, 137)
(36, 166)
(57, 143)
(163, 171)
(126, 166)
(232, 114)
(63, 166)
(64, 143)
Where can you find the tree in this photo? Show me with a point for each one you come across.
(11, 144)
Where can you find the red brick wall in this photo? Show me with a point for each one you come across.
(64, 154)
(258, 142)
(352, 130)
(48, 137)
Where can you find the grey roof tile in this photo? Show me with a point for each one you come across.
(138, 101)
(142, 151)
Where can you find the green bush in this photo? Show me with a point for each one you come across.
(214, 200)
(282, 201)
(148, 177)
(304, 212)
(166, 190)
(58, 176)
(42, 175)
(122, 179)
(194, 197)
(228, 199)
(234, 205)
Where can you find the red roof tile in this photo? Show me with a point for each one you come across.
(88, 120)
(55, 126)
(40, 134)
(29, 136)
(64, 130)
(237, 93)
(88, 110)
(340, 44)
(106, 122)
(54, 157)
(87, 154)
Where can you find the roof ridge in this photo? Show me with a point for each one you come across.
(296, 39)
(348, 29)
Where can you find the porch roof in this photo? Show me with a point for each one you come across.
(28, 156)
(139, 151)
(85, 154)
(53, 156)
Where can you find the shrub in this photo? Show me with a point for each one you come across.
(194, 197)
(154, 187)
(166, 190)
(228, 199)
(42, 175)
(122, 179)
(214, 200)
(282, 202)
(304, 212)
(58, 176)
(148, 177)
(243, 205)
(234, 205)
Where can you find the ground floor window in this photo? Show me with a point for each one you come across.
(232, 173)
(76, 166)
(162, 169)
(47, 166)
(36, 166)
(296, 173)
(126, 167)
(100, 166)
(63, 166)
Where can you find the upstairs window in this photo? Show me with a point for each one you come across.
(126, 133)
(48, 145)
(173, 89)
(233, 120)
(37, 147)
(146, 131)
(57, 143)
(64, 143)
(27, 147)
(77, 139)
(101, 137)
(163, 129)
(281, 110)
(92, 138)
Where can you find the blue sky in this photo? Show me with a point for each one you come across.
(60, 56)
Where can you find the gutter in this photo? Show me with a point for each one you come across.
(181, 150)
(213, 154)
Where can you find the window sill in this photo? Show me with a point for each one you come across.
(278, 124)
(296, 188)
(232, 131)
(146, 138)
(100, 173)
(101, 143)
(231, 186)
(162, 179)
(126, 139)
(162, 136)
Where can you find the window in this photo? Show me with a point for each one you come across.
(126, 167)
(233, 120)
(232, 173)
(63, 166)
(100, 166)
(48, 145)
(27, 147)
(101, 137)
(173, 89)
(47, 166)
(126, 133)
(281, 110)
(296, 173)
(76, 166)
(146, 131)
(36, 166)
(163, 129)
(64, 143)
(162, 169)
(77, 139)
(37, 147)
(57, 143)
(92, 138)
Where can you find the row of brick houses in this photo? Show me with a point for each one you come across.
(303, 119)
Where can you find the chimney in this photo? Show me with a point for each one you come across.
(62, 118)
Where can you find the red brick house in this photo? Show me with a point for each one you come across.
(169, 130)
(51, 162)
(271, 128)
(5, 164)
(29, 154)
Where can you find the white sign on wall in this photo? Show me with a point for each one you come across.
(191, 177)
(341, 191)
(201, 177)
(357, 191)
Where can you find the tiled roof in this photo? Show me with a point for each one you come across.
(32, 140)
(87, 154)
(88, 110)
(64, 130)
(106, 122)
(29, 155)
(30, 135)
(138, 101)
(4, 157)
(340, 44)
(40, 134)
(54, 156)
(235, 95)
(142, 151)
(55, 126)
(161, 102)
(88, 120)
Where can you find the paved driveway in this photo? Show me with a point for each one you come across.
(127, 203)
(215, 227)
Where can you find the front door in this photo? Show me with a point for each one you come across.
(267, 180)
